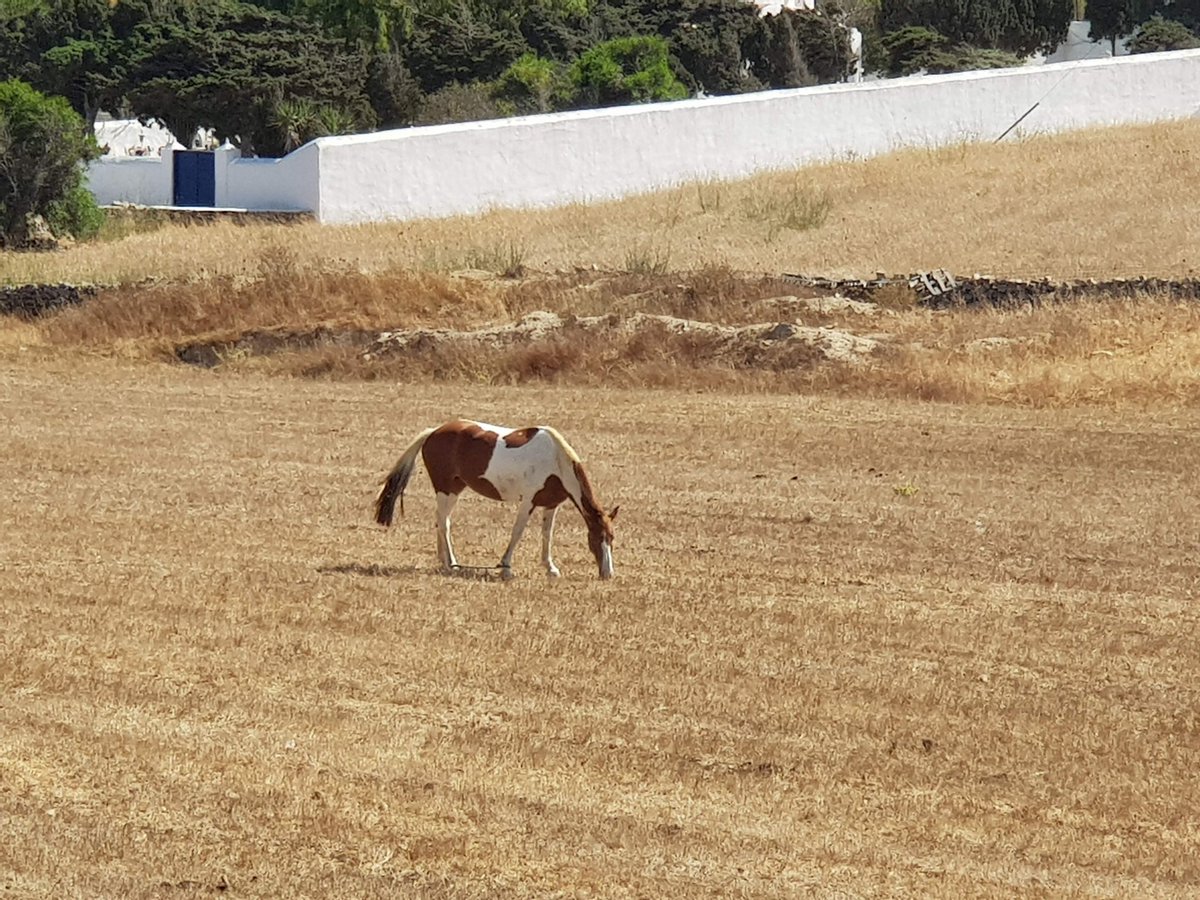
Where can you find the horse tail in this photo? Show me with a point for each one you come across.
(397, 480)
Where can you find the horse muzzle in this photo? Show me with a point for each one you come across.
(606, 561)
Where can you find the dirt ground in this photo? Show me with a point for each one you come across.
(853, 648)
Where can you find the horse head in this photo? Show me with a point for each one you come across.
(600, 539)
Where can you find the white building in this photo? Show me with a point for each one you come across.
(129, 137)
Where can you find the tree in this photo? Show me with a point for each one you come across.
(912, 49)
(43, 147)
(1112, 19)
(1018, 26)
(461, 42)
(229, 66)
(803, 48)
(65, 47)
(392, 90)
(715, 42)
(626, 70)
(1163, 34)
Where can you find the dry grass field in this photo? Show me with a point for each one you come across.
(918, 627)
(852, 648)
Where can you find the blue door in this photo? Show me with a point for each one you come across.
(195, 178)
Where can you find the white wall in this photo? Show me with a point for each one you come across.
(601, 154)
(145, 180)
(598, 154)
(277, 185)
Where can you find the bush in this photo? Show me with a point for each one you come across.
(44, 145)
(76, 214)
(916, 49)
(532, 84)
(626, 70)
(459, 103)
(1162, 34)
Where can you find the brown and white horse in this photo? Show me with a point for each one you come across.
(534, 467)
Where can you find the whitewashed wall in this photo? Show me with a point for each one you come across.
(277, 185)
(597, 154)
(144, 180)
(601, 154)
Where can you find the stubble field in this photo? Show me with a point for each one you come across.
(858, 643)
(852, 649)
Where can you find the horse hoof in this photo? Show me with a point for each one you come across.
(552, 574)
(506, 574)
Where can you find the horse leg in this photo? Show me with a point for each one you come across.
(547, 539)
(445, 505)
(518, 530)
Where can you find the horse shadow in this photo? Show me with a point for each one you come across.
(374, 570)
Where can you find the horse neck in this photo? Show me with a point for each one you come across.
(587, 502)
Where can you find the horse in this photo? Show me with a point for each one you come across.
(534, 467)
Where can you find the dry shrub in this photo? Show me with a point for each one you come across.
(283, 297)
(1144, 350)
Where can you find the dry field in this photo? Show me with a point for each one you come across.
(853, 648)
(922, 626)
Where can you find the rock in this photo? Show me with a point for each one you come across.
(762, 342)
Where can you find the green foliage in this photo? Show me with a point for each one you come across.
(43, 146)
(299, 120)
(532, 85)
(915, 49)
(713, 40)
(1018, 26)
(804, 48)
(1117, 18)
(393, 92)
(76, 214)
(1163, 34)
(229, 66)
(464, 42)
(626, 70)
(15, 9)
(65, 47)
(911, 49)
(964, 58)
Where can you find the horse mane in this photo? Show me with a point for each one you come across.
(562, 443)
(589, 504)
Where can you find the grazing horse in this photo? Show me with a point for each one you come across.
(534, 467)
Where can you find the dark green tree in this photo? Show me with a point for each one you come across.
(716, 42)
(461, 43)
(1113, 19)
(1018, 26)
(804, 48)
(912, 49)
(393, 91)
(1163, 34)
(43, 148)
(228, 66)
(67, 48)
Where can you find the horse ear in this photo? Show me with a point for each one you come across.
(612, 515)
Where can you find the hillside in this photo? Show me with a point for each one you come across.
(312, 300)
